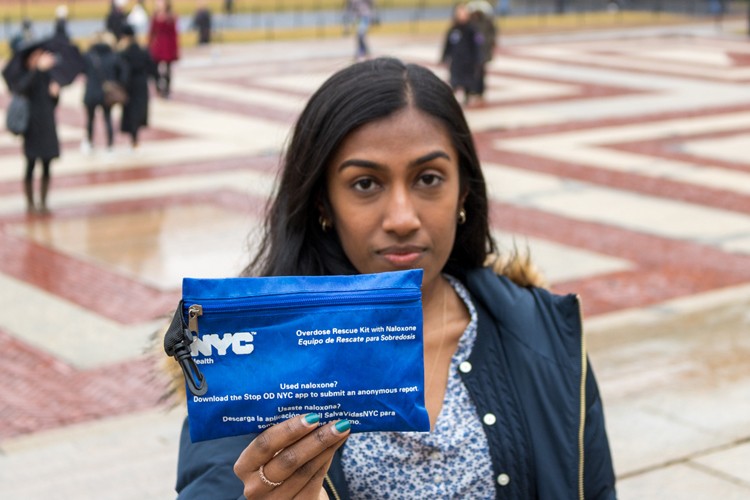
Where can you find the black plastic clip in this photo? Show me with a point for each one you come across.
(177, 342)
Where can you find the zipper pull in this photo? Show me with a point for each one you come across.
(193, 312)
(177, 342)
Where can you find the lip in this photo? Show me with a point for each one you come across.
(402, 256)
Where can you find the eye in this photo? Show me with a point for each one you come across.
(430, 179)
(364, 184)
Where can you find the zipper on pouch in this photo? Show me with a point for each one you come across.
(177, 342)
(180, 335)
(272, 302)
(193, 312)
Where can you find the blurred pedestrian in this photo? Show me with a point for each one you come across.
(61, 22)
(462, 52)
(139, 67)
(202, 23)
(116, 18)
(25, 35)
(40, 138)
(361, 13)
(138, 18)
(163, 44)
(483, 20)
(102, 65)
(228, 7)
(718, 8)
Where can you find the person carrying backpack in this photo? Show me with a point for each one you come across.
(102, 65)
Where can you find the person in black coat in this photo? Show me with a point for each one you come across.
(463, 52)
(116, 18)
(202, 23)
(139, 66)
(40, 138)
(483, 22)
(102, 64)
(61, 23)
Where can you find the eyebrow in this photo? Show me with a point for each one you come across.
(354, 162)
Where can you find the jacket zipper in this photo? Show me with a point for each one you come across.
(332, 487)
(582, 422)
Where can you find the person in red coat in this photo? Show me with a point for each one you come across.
(163, 44)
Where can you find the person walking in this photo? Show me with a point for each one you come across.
(481, 16)
(138, 18)
(163, 44)
(61, 23)
(116, 18)
(202, 23)
(462, 52)
(361, 13)
(102, 64)
(139, 67)
(228, 7)
(40, 140)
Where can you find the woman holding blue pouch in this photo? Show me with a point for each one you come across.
(381, 174)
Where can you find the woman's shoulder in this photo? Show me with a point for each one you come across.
(501, 286)
(516, 267)
(514, 293)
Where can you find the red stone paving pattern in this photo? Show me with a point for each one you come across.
(44, 393)
(256, 111)
(93, 286)
(646, 118)
(663, 268)
(113, 296)
(711, 73)
(153, 171)
(670, 149)
(661, 187)
(47, 393)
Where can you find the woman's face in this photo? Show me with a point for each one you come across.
(394, 191)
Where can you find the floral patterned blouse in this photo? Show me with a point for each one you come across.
(452, 461)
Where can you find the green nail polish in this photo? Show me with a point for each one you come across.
(312, 418)
(343, 426)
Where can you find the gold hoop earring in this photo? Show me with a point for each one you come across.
(325, 225)
(461, 216)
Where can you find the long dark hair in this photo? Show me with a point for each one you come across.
(293, 242)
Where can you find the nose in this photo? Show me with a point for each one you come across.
(401, 214)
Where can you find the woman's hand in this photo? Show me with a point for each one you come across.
(290, 459)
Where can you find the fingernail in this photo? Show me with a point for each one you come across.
(312, 418)
(343, 426)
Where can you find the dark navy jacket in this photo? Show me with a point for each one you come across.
(538, 335)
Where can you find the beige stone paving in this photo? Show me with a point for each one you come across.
(584, 201)
(676, 387)
(65, 330)
(124, 458)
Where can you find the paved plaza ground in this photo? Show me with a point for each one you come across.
(621, 159)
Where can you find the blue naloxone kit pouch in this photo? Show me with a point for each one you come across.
(256, 351)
